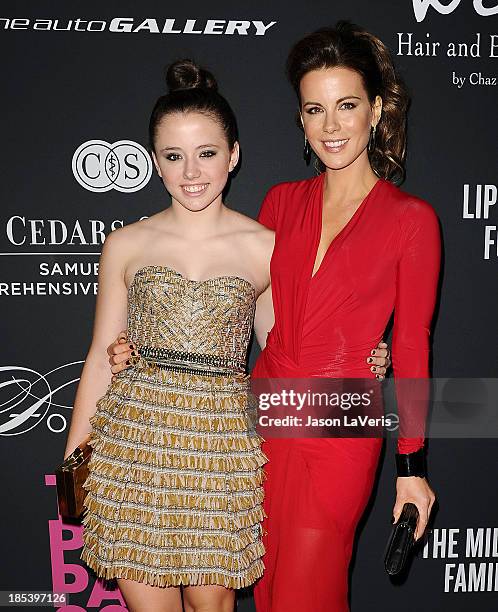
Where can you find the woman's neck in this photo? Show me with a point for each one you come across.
(350, 183)
(197, 224)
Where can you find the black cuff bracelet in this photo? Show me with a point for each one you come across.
(411, 464)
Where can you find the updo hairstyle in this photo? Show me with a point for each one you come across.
(192, 89)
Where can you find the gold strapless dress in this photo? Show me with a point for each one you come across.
(174, 490)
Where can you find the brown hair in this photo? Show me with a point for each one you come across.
(350, 46)
(193, 89)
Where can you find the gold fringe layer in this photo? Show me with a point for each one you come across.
(168, 577)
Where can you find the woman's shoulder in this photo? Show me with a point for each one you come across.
(131, 238)
(415, 218)
(244, 225)
(249, 238)
(406, 206)
(286, 196)
(293, 188)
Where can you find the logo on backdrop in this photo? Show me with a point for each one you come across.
(100, 166)
(420, 8)
(127, 25)
(475, 46)
(30, 398)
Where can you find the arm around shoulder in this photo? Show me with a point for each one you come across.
(264, 318)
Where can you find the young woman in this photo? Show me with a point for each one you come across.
(175, 485)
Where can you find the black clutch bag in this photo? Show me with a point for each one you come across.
(401, 540)
(70, 477)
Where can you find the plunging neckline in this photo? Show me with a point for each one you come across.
(354, 216)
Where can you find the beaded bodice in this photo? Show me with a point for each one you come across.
(169, 311)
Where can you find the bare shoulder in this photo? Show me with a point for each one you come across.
(254, 244)
(132, 238)
(252, 239)
(252, 231)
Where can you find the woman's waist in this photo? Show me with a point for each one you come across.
(197, 362)
(332, 361)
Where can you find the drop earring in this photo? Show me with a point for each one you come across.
(371, 139)
(307, 151)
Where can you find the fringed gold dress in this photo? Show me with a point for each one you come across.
(174, 490)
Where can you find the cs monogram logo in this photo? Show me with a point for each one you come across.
(124, 165)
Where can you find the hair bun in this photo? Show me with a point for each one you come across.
(186, 74)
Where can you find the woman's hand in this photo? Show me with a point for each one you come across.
(416, 490)
(119, 353)
(379, 360)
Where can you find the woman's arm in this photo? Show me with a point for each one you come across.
(416, 290)
(110, 318)
(264, 318)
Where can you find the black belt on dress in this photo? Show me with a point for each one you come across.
(191, 363)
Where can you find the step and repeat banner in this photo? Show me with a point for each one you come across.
(79, 82)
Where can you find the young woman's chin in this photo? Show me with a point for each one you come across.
(196, 204)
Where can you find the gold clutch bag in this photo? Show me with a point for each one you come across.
(70, 477)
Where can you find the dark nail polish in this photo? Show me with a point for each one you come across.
(127, 362)
(373, 352)
(134, 353)
(369, 360)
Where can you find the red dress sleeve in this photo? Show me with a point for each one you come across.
(268, 212)
(416, 289)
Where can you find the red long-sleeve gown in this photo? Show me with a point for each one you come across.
(317, 488)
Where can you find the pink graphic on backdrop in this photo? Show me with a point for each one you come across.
(77, 574)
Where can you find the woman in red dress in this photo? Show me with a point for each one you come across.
(332, 301)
